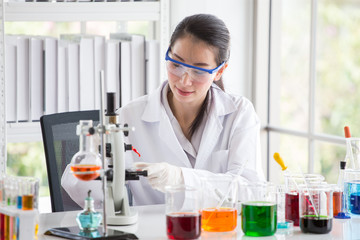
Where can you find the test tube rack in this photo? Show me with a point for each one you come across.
(18, 224)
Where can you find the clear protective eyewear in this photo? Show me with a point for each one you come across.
(197, 74)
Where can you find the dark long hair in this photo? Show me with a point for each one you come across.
(212, 31)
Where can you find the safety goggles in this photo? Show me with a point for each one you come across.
(197, 74)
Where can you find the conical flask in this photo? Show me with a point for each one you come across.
(86, 163)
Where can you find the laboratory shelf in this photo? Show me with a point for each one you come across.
(154, 11)
(23, 132)
(82, 11)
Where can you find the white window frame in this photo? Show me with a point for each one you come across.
(266, 69)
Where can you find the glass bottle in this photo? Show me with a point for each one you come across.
(89, 219)
(86, 163)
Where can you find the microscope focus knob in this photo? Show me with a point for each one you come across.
(126, 133)
(127, 147)
(91, 131)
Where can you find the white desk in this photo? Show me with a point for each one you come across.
(151, 225)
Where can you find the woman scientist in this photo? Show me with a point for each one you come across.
(189, 127)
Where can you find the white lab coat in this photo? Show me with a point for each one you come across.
(230, 141)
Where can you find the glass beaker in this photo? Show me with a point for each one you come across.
(259, 211)
(219, 199)
(86, 163)
(316, 212)
(183, 218)
(293, 181)
(352, 191)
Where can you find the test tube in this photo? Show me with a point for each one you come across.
(20, 190)
(20, 183)
(6, 231)
(2, 216)
(337, 197)
(2, 226)
(1, 189)
(28, 195)
(35, 184)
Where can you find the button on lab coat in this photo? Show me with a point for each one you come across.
(229, 145)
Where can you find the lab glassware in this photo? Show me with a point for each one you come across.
(86, 163)
(259, 211)
(283, 225)
(337, 196)
(352, 157)
(293, 183)
(316, 210)
(183, 218)
(219, 201)
(89, 219)
(352, 191)
(30, 195)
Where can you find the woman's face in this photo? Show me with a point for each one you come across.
(186, 88)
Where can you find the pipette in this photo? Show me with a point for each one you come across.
(310, 195)
(349, 157)
(280, 161)
(233, 181)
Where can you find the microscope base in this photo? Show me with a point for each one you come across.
(121, 220)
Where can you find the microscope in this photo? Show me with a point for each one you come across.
(118, 211)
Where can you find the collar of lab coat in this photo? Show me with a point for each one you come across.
(223, 104)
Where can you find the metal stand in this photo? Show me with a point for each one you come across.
(103, 149)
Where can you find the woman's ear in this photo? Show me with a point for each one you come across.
(220, 72)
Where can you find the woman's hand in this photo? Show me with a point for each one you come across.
(161, 174)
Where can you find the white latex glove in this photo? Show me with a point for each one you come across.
(161, 174)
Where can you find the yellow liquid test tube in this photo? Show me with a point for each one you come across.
(15, 228)
(7, 226)
(28, 202)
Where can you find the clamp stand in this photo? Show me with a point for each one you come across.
(115, 197)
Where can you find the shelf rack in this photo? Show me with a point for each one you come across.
(82, 11)
(156, 11)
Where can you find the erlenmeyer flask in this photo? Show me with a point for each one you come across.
(86, 163)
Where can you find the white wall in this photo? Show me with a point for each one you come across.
(237, 15)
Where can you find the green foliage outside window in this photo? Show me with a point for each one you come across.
(28, 159)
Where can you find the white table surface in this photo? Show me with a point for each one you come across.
(151, 225)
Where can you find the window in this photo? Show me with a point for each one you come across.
(314, 78)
